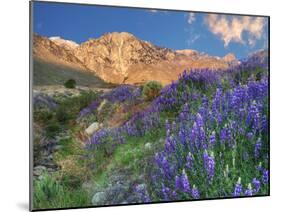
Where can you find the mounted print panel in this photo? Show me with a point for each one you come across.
(137, 105)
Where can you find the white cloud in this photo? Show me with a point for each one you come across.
(192, 39)
(157, 11)
(191, 18)
(152, 11)
(231, 29)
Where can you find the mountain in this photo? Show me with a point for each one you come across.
(120, 57)
(49, 51)
(68, 44)
(229, 58)
(188, 52)
(54, 63)
(260, 55)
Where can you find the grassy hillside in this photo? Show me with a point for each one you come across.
(189, 142)
(54, 74)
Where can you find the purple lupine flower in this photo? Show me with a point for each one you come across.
(178, 185)
(184, 113)
(93, 106)
(174, 195)
(219, 118)
(195, 192)
(202, 138)
(258, 146)
(209, 164)
(165, 192)
(199, 120)
(223, 136)
(265, 176)
(167, 125)
(189, 161)
(197, 134)
(217, 100)
(193, 133)
(253, 118)
(259, 167)
(249, 191)
(212, 138)
(142, 192)
(185, 182)
(250, 135)
(182, 137)
(170, 144)
(257, 185)
(238, 190)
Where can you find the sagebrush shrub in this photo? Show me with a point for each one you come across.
(71, 83)
(151, 90)
(52, 129)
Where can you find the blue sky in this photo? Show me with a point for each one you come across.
(213, 34)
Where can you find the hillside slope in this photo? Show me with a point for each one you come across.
(56, 74)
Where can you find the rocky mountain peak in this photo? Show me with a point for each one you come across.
(48, 50)
(188, 52)
(115, 52)
(68, 44)
(230, 57)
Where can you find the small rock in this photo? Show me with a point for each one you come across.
(49, 164)
(89, 187)
(141, 187)
(57, 147)
(99, 198)
(101, 105)
(148, 146)
(124, 203)
(38, 170)
(50, 157)
(161, 140)
(92, 128)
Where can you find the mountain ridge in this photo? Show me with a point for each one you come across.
(121, 57)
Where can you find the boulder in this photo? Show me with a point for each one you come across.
(38, 170)
(102, 104)
(148, 146)
(92, 128)
(99, 198)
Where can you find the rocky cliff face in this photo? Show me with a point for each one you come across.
(123, 58)
(50, 51)
(112, 55)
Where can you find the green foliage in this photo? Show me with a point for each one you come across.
(243, 75)
(69, 108)
(71, 83)
(132, 155)
(106, 111)
(72, 181)
(37, 149)
(52, 129)
(151, 90)
(43, 115)
(63, 113)
(49, 193)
